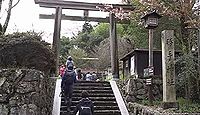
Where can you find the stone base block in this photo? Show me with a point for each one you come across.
(167, 105)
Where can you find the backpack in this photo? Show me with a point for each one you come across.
(70, 64)
(85, 107)
(69, 78)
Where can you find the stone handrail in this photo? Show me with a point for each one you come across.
(119, 98)
(57, 98)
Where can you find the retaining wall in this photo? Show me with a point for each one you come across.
(137, 109)
(25, 92)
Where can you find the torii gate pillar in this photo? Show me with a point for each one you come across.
(56, 37)
(114, 48)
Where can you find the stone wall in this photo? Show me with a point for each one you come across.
(135, 90)
(25, 92)
(137, 109)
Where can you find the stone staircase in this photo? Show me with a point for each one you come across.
(101, 95)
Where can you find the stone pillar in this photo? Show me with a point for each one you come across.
(168, 70)
(56, 37)
(114, 48)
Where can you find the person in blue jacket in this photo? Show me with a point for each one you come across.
(67, 85)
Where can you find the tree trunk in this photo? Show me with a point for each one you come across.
(191, 82)
(187, 89)
(185, 49)
(0, 4)
(185, 34)
(198, 75)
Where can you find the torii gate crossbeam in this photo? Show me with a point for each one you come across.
(77, 5)
(83, 18)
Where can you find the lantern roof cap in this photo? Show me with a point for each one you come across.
(153, 13)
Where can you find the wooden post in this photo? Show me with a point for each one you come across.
(114, 48)
(150, 92)
(168, 70)
(198, 90)
(150, 47)
(56, 37)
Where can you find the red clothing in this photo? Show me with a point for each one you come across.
(62, 71)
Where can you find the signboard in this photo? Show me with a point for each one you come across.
(148, 72)
(148, 81)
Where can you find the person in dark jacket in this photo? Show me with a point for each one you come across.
(69, 61)
(67, 85)
(85, 105)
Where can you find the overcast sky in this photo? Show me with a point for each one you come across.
(25, 17)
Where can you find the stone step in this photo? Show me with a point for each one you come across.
(94, 94)
(107, 112)
(92, 84)
(92, 88)
(96, 103)
(94, 91)
(64, 108)
(84, 81)
(94, 98)
(97, 112)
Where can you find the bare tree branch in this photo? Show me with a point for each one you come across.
(10, 7)
(8, 17)
(15, 4)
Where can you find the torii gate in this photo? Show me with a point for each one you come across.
(59, 5)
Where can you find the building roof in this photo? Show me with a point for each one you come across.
(131, 53)
(151, 14)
